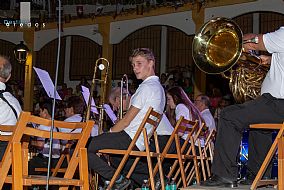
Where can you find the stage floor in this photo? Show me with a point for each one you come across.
(196, 187)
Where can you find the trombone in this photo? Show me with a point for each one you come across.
(123, 82)
(104, 81)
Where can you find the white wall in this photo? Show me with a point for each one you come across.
(121, 29)
(232, 11)
(14, 37)
(43, 37)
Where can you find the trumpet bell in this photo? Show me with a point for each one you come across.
(217, 46)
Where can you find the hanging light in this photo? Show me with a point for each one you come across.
(21, 52)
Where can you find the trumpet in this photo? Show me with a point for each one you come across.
(123, 82)
(104, 81)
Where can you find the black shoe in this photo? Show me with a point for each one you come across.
(123, 184)
(220, 182)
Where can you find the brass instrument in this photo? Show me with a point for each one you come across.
(103, 88)
(217, 47)
(123, 82)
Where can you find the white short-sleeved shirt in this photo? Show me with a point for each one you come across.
(78, 118)
(73, 118)
(274, 80)
(165, 127)
(7, 116)
(150, 93)
(182, 110)
(208, 119)
(56, 146)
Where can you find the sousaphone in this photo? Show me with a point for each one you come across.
(217, 48)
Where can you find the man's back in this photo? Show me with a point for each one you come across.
(7, 116)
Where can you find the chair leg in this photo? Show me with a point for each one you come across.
(201, 160)
(281, 163)
(149, 161)
(267, 160)
(83, 167)
(58, 165)
(133, 167)
(180, 161)
(17, 167)
(195, 161)
(159, 162)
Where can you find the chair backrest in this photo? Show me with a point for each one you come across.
(22, 128)
(182, 126)
(151, 118)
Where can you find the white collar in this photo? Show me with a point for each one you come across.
(2, 86)
(205, 110)
(151, 77)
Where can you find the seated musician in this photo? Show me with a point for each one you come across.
(73, 112)
(178, 104)
(149, 94)
(9, 106)
(202, 102)
(164, 131)
(42, 145)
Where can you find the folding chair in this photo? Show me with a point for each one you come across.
(151, 118)
(13, 155)
(6, 132)
(182, 126)
(204, 158)
(278, 143)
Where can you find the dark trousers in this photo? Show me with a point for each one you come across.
(141, 171)
(120, 140)
(3, 146)
(233, 121)
(40, 161)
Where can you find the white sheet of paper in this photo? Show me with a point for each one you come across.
(86, 95)
(46, 83)
(110, 113)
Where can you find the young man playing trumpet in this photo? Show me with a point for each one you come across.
(149, 93)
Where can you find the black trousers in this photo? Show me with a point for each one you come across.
(3, 146)
(119, 140)
(40, 161)
(233, 121)
(141, 171)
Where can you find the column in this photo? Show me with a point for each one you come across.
(29, 76)
(198, 15)
(107, 52)
(163, 62)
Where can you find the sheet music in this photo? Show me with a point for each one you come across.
(110, 113)
(47, 83)
(86, 95)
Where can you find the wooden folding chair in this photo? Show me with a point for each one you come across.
(13, 155)
(182, 126)
(278, 143)
(6, 132)
(151, 118)
(204, 157)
